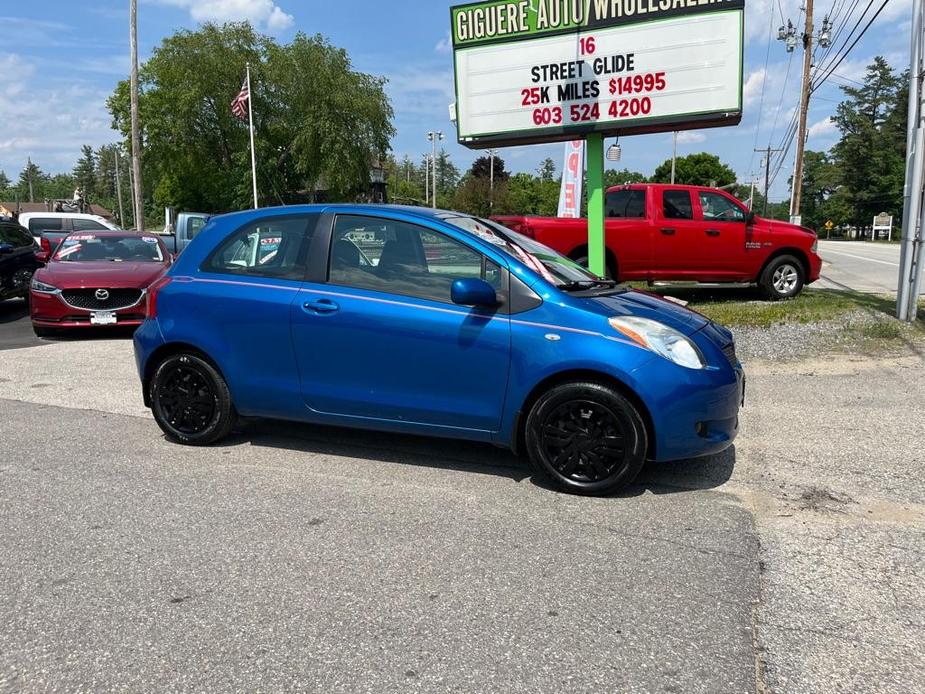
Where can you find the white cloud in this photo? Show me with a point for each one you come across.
(444, 45)
(691, 136)
(46, 121)
(752, 88)
(823, 128)
(422, 92)
(261, 13)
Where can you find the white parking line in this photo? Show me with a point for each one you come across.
(860, 257)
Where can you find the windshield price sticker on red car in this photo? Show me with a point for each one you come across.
(534, 71)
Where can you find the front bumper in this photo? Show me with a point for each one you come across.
(695, 412)
(815, 267)
(51, 311)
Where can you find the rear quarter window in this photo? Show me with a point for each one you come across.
(38, 224)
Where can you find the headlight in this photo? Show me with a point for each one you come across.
(815, 244)
(42, 287)
(659, 338)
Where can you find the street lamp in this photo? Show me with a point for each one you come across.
(433, 137)
(491, 179)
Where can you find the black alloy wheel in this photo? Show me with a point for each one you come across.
(585, 438)
(190, 400)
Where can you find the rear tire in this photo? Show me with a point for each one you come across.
(191, 401)
(610, 271)
(783, 278)
(585, 438)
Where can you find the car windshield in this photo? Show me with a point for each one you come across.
(134, 248)
(554, 267)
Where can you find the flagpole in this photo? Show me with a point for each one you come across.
(250, 121)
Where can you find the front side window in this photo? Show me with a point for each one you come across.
(274, 247)
(676, 204)
(719, 208)
(38, 224)
(87, 225)
(626, 204)
(400, 258)
(86, 247)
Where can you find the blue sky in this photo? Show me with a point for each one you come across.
(58, 63)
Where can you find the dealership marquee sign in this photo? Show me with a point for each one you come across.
(530, 71)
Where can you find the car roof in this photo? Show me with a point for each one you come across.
(423, 212)
(71, 215)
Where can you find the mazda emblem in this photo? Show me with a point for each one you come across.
(102, 294)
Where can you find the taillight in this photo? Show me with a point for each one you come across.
(46, 246)
(156, 286)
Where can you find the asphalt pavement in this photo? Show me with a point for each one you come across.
(297, 558)
(860, 265)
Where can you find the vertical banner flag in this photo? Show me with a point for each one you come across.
(572, 172)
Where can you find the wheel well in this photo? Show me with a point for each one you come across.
(164, 351)
(581, 376)
(609, 258)
(795, 252)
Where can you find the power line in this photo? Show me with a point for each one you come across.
(854, 43)
(838, 33)
(764, 82)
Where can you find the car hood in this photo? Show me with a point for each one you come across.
(77, 275)
(777, 226)
(648, 305)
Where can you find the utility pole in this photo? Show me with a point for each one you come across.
(136, 135)
(789, 36)
(29, 178)
(767, 174)
(119, 190)
(433, 136)
(913, 233)
(674, 152)
(491, 180)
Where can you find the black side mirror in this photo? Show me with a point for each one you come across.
(749, 217)
(473, 292)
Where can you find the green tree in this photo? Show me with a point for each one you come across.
(85, 173)
(318, 123)
(547, 170)
(701, 169)
(482, 168)
(447, 178)
(870, 156)
(32, 183)
(613, 177)
(5, 185)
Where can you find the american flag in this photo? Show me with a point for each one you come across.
(239, 105)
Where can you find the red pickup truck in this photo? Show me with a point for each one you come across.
(658, 232)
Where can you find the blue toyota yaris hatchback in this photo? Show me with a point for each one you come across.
(431, 322)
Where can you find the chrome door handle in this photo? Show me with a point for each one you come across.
(321, 306)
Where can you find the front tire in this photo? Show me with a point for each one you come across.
(191, 401)
(585, 438)
(783, 278)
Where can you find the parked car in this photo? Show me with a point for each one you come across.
(656, 232)
(62, 223)
(17, 260)
(433, 323)
(188, 224)
(95, 279)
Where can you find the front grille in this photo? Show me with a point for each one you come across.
(87, 299)
(730, 352)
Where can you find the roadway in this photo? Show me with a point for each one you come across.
(860, 265)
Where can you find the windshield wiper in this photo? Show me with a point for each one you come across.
(586, 284)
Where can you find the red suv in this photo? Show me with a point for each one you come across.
(659, 232)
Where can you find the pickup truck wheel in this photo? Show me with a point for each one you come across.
(783, 278)
(191, 401)
(610, 271)
(585, 438)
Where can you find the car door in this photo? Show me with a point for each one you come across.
(381, 339)
(679, 250)
(237, 310)
(17, 258)
(629, 232)
(724, 231)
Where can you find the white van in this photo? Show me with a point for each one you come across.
(63, 222)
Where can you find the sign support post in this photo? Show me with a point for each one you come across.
(596, 257)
